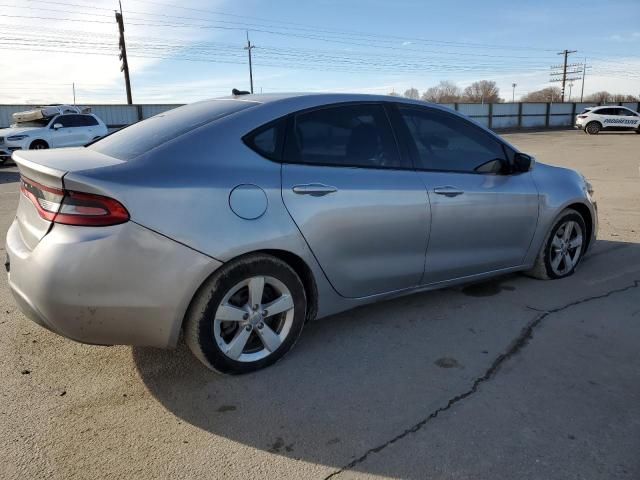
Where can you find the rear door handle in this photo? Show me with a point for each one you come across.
(448, 191)
(314, 189)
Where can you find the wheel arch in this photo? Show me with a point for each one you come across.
(294, 261)
(594, 121)
(39, 140)
(584, 211)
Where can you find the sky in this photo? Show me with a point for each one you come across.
(182, 51)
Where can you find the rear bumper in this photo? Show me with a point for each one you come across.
(106, 285)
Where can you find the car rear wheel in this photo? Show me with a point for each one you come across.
(247, 315)
(593, 128)
(562, 249)
(38, 145)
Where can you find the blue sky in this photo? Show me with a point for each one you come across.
(186, 50)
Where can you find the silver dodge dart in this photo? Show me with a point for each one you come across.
(237, 220)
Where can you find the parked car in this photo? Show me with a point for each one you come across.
(595, 119)
(237, 220)
(67, 130)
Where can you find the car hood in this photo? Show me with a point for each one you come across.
(8, 132)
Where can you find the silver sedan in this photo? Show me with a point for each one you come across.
(237, 220)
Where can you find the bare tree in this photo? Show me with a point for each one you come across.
(602, 96)
(445, 92)
(484, 91)
(549, 94)
(621, 97)
(393, 94)
(412, 93)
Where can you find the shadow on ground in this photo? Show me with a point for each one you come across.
(358, 379)
(7, 176)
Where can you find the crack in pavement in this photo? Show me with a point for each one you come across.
(520, 341)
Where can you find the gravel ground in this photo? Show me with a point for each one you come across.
(511, 378)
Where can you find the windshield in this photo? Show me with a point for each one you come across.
(139, 138)
(43, 122)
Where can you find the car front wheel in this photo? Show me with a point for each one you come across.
(38, 145)
(563, 248)
(247, 315)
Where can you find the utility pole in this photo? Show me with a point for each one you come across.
(584, 74)
(513, 96)
(564, 72)
(123, 54)
(73, 86)
(570, 87)
(250, 47)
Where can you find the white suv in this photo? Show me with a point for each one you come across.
(66, 130)
(594, 119)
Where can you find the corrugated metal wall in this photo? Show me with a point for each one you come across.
(496, 115)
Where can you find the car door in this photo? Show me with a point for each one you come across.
(355, 198)
(482, 218)
(70, 133)
(630, 119)
(90, 130)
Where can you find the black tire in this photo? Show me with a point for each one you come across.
(200, 318)
(543, 269)
(593, 128)
(38, 145)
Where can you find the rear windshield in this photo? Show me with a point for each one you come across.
(133, 141)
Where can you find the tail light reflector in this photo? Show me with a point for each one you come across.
(582, 116)
(73, 208)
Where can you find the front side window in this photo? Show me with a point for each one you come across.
(347, 135)
(449, 143)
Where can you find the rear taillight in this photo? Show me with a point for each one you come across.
(582, 116)
(73, 208)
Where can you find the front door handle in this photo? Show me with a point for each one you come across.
(314, 189)
(448, 191)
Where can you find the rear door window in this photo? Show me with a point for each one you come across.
(268, 140)
(355, 135)
(139, 138)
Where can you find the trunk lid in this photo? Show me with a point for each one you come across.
(48, 168)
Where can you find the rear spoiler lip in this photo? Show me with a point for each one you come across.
(49, 176)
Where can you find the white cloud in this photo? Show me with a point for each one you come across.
(30, 75)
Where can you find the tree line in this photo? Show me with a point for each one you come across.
(487, 91)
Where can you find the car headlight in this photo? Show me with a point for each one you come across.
(17, 138)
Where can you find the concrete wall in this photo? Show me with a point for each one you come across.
(497, 115)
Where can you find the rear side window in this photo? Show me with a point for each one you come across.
(139, 138)
(89, 121)
(268, 140)
(446, 142)
(347, 135)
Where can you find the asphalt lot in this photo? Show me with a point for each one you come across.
(512, 378)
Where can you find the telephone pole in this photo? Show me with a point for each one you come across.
(73, 86)
(584, 74)
(513, 96)
(123, 54)
(250, 47)
(563, 74)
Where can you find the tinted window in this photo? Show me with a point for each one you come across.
(447, 142)
(268, 140)
(66, 121)
(88, 121)
(133, 141)
(604, 111)
(347, 135)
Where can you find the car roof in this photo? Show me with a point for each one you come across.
(308, 99)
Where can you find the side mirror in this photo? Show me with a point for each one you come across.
(523, 162)
(57, 126)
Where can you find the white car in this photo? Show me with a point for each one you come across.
(67, 130)
(611, 117)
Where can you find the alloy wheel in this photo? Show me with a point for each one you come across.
(253, 319)
(566, 248)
